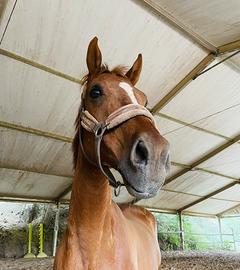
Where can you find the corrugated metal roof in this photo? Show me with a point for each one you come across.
(42, 59)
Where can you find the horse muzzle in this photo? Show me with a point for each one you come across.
(144, 170)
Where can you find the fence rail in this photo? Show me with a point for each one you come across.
(222, 243)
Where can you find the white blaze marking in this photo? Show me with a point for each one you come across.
(128, 89)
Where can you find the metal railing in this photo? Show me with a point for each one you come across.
(225, 241)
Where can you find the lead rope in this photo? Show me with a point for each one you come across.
(98, 138)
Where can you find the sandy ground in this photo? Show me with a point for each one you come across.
(170, 261)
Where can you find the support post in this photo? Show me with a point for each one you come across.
(181, 233)
(220, 231)
(41, 254)
(56, 227)
(29, 254)
(234, 240)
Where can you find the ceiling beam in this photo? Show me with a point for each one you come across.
(180, 26)
(34, 131)
(63, 193)
(229, 47)
(26, 199)
(203, 159)
(208, 196)
(39, 66)
(191, 75)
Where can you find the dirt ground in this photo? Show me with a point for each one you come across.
(170, 261)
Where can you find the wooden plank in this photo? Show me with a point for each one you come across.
(232, 46)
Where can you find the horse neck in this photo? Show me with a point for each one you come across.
(90, 203)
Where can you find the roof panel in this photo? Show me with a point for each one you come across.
(195, 101)
(188, 145)
(25, 151)
(173, 170)
(223, 123)
(198, 183)
(212, 206)
(74, 23)
(168, 200)
(217, 21)
(232, 193)
(226, 162)
(6, 8)
(40, 100)
(166, 126)
(17, 183)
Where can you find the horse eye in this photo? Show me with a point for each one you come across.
(95, 92)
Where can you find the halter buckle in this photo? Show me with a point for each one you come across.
(99, 129)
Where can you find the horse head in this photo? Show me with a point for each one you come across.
(134, 147)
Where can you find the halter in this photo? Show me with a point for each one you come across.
(118, 117)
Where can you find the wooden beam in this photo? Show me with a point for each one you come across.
(34, 131)
(18, 198)
(39, 66)
(63, 193)
(232, 46)
(191, 75)
(208, 196)
(203, 159)
(180, 26)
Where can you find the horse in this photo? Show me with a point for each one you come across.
(113, 130)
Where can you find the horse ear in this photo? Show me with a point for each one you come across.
(134, 72)
(94, 56)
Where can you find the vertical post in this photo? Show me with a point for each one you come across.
(181, 233)
(220, 231)
(56, 227)
(234, 240)
(41, 254)
(29, 254)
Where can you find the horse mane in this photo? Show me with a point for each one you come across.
(118, 71)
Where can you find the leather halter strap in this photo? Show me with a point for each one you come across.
(118, 117)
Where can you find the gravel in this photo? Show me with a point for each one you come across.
(176, 260)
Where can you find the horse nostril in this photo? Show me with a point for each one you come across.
(141, 153)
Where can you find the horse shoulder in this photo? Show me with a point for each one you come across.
(135, 212)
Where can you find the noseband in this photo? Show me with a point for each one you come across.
(118, 117)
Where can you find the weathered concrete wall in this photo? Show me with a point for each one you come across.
(170, 261)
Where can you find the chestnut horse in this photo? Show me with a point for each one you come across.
(100, 234)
